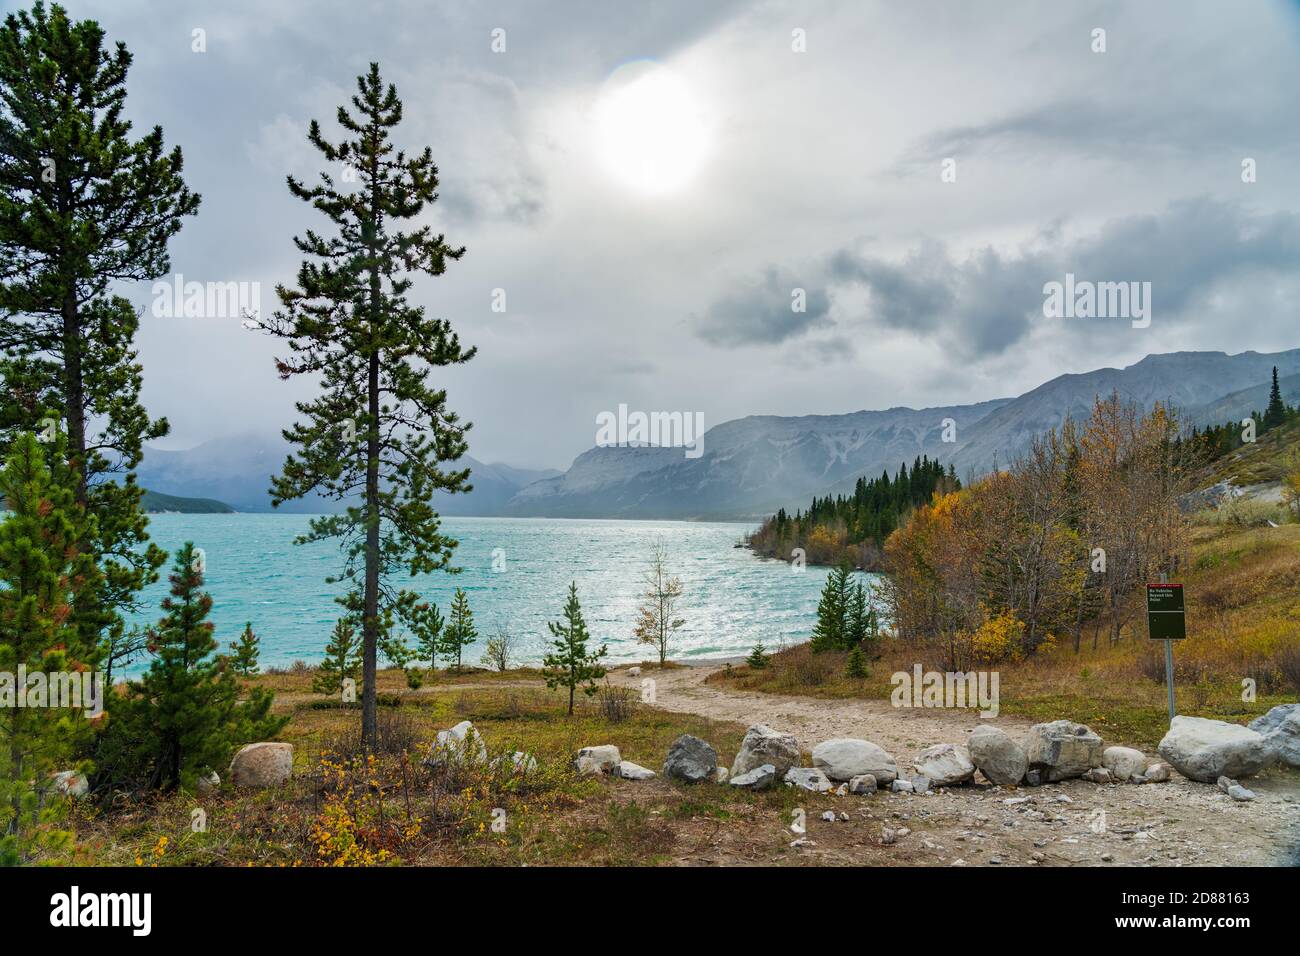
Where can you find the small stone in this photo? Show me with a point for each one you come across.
(631, 771)
(801, 842)
(1158, 773)
(807, 778)
(901, 786)
(1240, 793)
(863, 784)
(888, 837)
(829, 816)
(760, 778)
(920, 784)
(634, 672)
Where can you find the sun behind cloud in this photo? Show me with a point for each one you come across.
(650, 134)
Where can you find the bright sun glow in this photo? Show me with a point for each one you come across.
(649, 132)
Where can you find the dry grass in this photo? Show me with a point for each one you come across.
(1243, 613)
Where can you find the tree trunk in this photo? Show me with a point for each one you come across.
(370, 611)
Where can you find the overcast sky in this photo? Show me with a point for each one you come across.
(818, 170)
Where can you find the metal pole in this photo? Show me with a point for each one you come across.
(1169, 662)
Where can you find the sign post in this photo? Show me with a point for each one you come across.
(1166, 622)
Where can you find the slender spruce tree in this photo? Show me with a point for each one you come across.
(1275, 413)
(460, 631)
(427, 623)
(245, 651)
(570, 664)
(375, 435)
(84, 206)
(342, 659)
(185, 712)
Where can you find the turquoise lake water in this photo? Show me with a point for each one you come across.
(732, 599)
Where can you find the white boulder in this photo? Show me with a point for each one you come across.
(262, 765)
(763, 745)
(1281, 730)
(592, 761)
(1062, 749)
(1205, 750)
(998, 757)
(945, 765)
(1124, 763)
(457, 745)
(846, 757)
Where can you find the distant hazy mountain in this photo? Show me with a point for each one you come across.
(237, 469)
(155, 502)
(753, 465)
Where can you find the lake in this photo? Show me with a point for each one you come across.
(731, 600)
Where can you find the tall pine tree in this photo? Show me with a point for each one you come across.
(349, 324)
(84, 207)
(460, 632)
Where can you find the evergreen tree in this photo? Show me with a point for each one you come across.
(84, 206)
(460, 632)
(758, 658)
(41, 575)
(831, 631)
(342, 659)
(427, 623)
(570, 664)
(856, 667)
(1275, 413)
(859, 621)
(246, 651)
(350, 326)
(185, 712)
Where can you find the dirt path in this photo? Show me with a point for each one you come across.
(1179, 823)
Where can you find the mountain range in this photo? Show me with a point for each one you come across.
(752, 466)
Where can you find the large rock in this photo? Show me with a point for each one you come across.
(846, 757)
(457, 745)
(998, 757)
(1205, 750)
(1062, 749)
(763, 745)
(597, 760)
(70, 783)
(262, 765)
(1124, 763)
(945, 765)
(1281, 730)
(691, 760)
(760, 778)
(807, 778)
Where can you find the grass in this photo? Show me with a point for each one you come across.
(1243, 613)
(1263, 461)
(394, 811)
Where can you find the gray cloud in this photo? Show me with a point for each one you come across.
(989, 301)
(764, 312)
(1068, 161)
